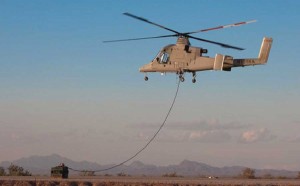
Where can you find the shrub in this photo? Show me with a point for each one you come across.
(122, 174)
(2, 171)
(267, 176)
(248, 173)
(14, 170)
(174, 174)
(87, 173)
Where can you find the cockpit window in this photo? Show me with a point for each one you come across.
(164, 57)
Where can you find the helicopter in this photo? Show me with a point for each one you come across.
(181, 58)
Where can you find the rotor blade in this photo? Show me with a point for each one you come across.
(147, 21)
(221, 27)
(110, 41)
(217, 43)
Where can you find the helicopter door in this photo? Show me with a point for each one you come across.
(164, 58)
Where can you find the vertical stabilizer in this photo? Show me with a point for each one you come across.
(265, 50)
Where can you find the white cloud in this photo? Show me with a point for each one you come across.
(252, 136)
(14, 136)
(212, 124)
(206, 131)
(295, 139)
(143, 136)
(209, 136)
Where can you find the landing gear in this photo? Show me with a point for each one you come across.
(194, 77)
(181, 77)
(146, 78)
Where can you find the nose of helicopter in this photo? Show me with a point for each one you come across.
(146, 68)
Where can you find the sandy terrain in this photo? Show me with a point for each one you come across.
(144, 181)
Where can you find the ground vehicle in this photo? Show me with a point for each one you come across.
(60, 171)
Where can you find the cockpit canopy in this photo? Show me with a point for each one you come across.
(164, 54)
(164, 57)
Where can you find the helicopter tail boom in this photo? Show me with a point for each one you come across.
(262, 56)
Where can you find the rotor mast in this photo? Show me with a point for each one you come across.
(182, 40)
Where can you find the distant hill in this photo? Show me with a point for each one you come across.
(41, 165)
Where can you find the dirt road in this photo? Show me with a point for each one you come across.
(144, 181)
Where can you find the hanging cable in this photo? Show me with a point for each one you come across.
(144, 147)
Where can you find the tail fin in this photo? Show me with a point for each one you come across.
(262, 56)
(265, 50)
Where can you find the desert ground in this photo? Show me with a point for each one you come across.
(144, 181)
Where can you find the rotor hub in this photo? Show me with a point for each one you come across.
(182, 40)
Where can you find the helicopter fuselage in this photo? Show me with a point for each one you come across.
(181, 57)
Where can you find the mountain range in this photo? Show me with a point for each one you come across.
(41, 165)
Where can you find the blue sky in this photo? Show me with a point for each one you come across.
(64, 91)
